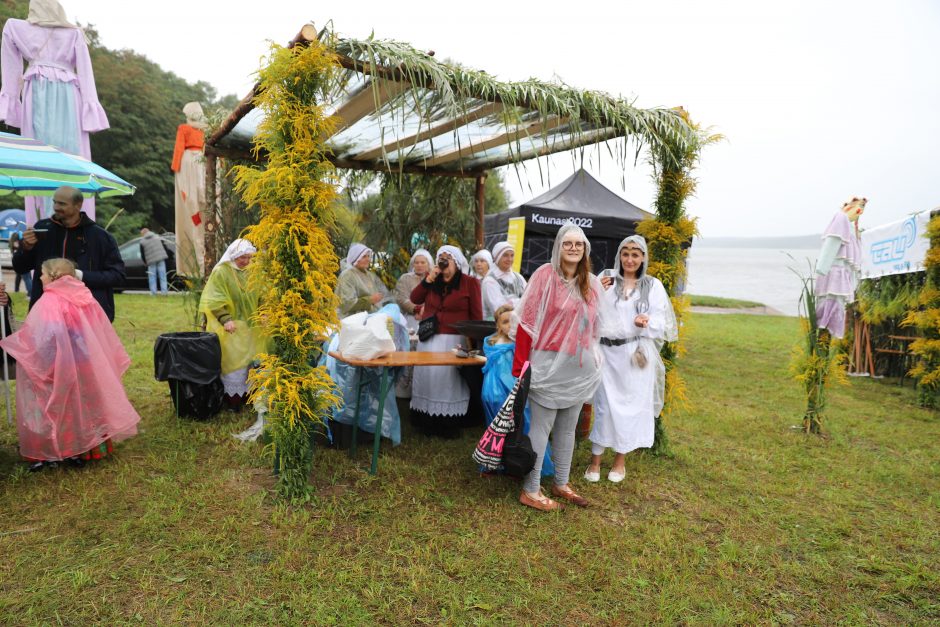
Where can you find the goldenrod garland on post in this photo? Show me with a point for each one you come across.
(666, 234)
(817, 361)
(295, 268)
(926, 318)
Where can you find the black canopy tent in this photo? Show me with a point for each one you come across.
(605, 217)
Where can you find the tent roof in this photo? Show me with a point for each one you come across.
(581, 193)
(402, 110)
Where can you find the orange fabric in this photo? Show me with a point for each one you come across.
(187, 138)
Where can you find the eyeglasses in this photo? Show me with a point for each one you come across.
(572, 245)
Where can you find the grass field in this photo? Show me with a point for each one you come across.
(750, 522)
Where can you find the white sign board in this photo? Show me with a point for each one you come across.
(896, 248)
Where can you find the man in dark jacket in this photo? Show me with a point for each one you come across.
(73, 235)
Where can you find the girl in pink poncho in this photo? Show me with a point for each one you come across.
(70, 402)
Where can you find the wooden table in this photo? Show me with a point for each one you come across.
(393, 360)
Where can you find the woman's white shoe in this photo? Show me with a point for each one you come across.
(593, 477)
(615, 477)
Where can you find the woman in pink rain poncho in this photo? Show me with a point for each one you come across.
(70, 402)
(560, 320)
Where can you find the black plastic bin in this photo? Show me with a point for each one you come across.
(191, 362)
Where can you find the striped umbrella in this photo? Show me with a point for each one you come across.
(29, 167)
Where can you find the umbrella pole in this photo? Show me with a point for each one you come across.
(6, 367)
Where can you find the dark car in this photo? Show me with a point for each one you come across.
(137, 271)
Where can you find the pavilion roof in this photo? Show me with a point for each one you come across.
(400, 109)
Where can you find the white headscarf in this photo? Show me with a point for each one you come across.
(421, 252)
(356, 251)
(48, 13)
(458, 257)
(499, 249)
(639, 242)
(235, 250)
(194, 115)
(485, 255)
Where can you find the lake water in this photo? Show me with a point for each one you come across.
(757, 274)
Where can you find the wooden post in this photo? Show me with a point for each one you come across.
(210, 216)
(478, 230)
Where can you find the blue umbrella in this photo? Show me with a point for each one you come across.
(29, 167)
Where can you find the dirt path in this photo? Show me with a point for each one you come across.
(753, 311)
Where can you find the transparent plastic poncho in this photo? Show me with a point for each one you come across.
(648, 297)
(565, 329)
(354, 290)
(228, 289)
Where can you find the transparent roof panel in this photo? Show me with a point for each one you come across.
(244, 132)
(487, 135)
(506, 153)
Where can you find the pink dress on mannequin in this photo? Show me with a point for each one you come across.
(836, 288)
(54, 99)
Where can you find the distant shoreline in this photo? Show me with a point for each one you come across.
(781, 242)
(719, 305)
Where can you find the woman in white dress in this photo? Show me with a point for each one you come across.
(480, 264)
(501, 285)
(633, 375)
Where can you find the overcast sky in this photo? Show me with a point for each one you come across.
(819, 100)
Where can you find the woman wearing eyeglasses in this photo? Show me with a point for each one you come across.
(633, 376)
(558, 332)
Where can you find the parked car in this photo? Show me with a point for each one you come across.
(137, 271)
(10, 220)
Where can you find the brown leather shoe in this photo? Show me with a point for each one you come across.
(569, 495)
(544, 505)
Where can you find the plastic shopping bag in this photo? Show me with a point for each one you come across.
(362, 336)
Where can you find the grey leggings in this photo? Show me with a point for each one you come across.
(561, 423)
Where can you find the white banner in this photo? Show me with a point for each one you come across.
(896, 248)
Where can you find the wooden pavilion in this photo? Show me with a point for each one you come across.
(401, 111)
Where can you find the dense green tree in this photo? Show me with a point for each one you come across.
(433, 209)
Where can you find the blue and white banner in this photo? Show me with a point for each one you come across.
(896, 248)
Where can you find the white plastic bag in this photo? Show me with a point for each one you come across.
(362, 336)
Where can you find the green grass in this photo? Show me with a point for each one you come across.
(750, 522)
(724, 303)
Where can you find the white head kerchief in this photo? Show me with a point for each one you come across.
(194, 115)
(483, 254)
(48, 13)
(639, 242)
(356, 251)
(421, 252)
(457, 256)
(499, 249)
(235, 250)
